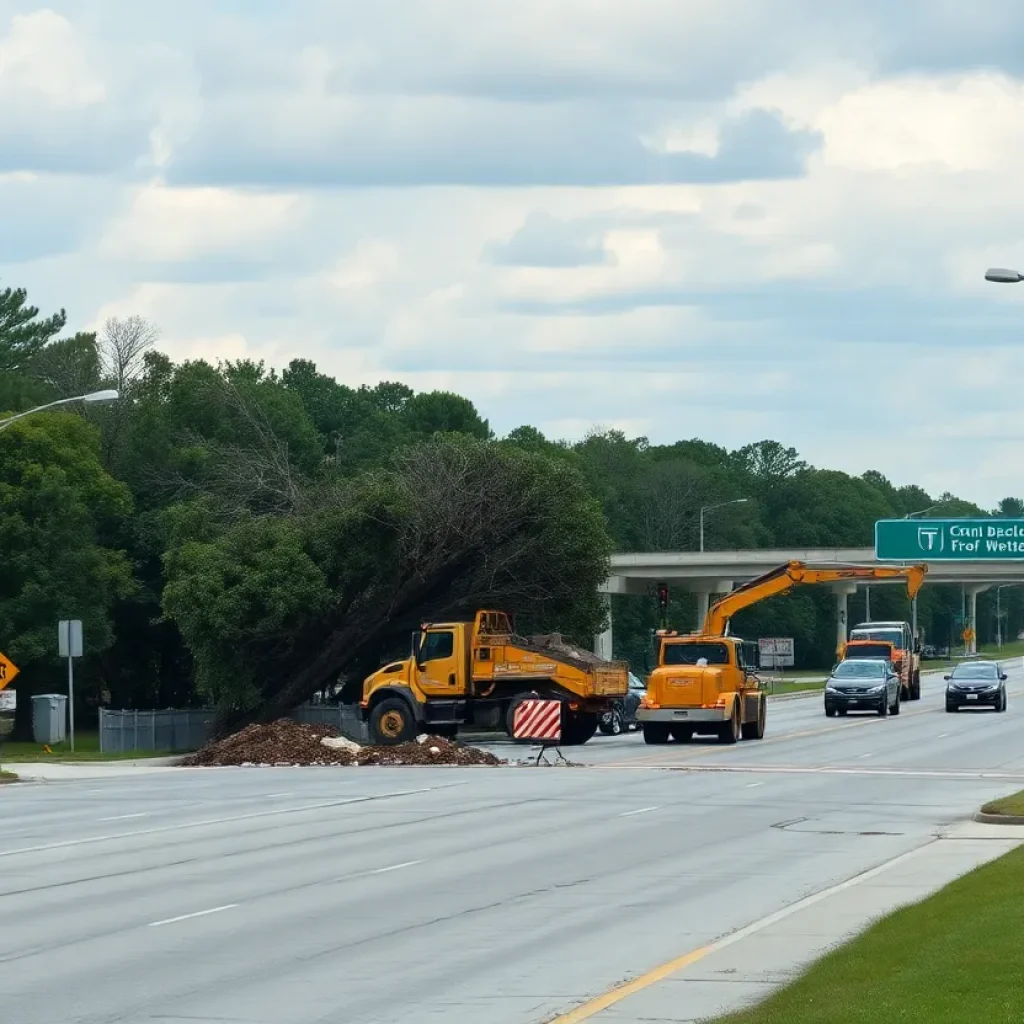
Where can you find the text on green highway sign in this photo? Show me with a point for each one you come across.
(949, 540)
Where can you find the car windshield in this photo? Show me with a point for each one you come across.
(858, 670)
(891, 636)
(690, 654)
(988, 671)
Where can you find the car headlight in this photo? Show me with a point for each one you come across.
(877, 689)
(829, 688)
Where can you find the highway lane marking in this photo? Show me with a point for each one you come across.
(394, 867)
(653, 760)
(753, 785)
(616, 995)
(125, 817)
(860, 757)
(189, 917)
(639, 810)
(67, 843)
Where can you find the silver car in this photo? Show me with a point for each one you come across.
(863, 684)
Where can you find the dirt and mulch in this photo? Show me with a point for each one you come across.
(291, 744)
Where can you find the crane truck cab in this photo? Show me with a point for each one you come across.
(703, 685)
(474, 673)
(905, 651)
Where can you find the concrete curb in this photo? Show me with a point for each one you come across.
(999, 819)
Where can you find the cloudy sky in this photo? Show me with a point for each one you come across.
(732, 219)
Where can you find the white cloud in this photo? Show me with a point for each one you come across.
(43, 56)
(183, 224)
(732, 220)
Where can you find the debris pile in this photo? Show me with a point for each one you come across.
(559, 645)
(290, 744)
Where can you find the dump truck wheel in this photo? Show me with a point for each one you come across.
(578, 727)
(391, 722)
(730, 732)
(755, 730)
(681, 733)
(655, 732)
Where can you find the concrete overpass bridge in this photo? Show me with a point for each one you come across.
(709, 573)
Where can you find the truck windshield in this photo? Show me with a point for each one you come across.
(891, 636)
(690, 654)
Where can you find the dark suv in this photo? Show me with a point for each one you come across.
(976, 684)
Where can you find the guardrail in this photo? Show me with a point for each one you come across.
(181, 731)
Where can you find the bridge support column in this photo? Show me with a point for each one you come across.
(972, 615)
(704, 599)
(603, 641)
(843, 591)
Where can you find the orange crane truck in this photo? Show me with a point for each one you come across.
(475, 673)
(707, 682)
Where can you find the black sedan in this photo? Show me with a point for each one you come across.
(863, 684)
(975, 684)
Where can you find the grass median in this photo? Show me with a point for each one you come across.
(87, 748)
(952, 959)
(1010, 805)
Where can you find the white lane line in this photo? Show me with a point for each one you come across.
(942, 735)
(272, 796)
(395, 867)
(860, 757)
(125, 817)
(188, 917)
(753, 785)
(639, 810)
(67, 843)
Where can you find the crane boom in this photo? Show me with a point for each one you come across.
(792, 574)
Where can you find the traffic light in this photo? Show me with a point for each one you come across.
(663, 603)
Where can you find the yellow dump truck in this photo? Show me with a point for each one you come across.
(474, 674)
(707, 682)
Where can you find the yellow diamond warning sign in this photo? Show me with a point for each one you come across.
(8, 670)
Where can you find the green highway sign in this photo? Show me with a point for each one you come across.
(949, 540)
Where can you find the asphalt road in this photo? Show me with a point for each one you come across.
(506, 896)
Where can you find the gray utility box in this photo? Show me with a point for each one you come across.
(49, 717)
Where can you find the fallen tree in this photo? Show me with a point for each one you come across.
(276, 607)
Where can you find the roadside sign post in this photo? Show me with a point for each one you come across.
(8, 670)
(69, 645)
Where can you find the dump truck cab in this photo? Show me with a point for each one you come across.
(703, 685)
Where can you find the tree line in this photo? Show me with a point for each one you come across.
(241, 536)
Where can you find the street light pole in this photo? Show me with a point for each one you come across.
(93, 397)
(710, 508)
(913, 600)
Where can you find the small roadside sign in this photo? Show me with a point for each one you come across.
(777, 652)
(8, 670)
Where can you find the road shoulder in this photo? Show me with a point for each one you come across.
(740, 969)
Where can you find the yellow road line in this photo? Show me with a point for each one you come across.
(616, 995)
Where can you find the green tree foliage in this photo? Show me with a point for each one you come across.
(278, 607)
(59, 511)
(22, 333)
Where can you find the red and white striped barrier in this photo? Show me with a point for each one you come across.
(538, 720)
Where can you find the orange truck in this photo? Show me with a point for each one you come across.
(892, 640)
(706, 683)
(475, 673)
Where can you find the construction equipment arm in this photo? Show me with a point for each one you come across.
(792, 574)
